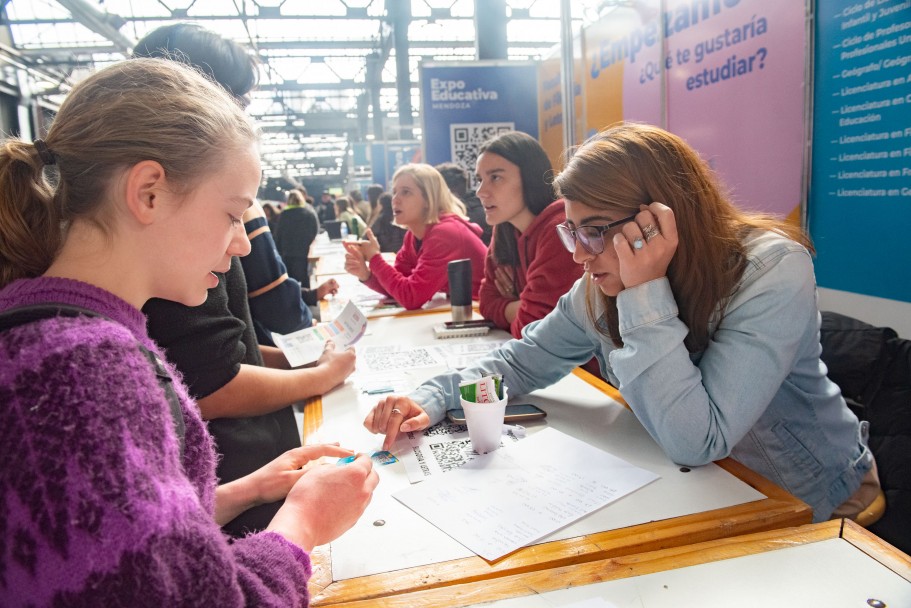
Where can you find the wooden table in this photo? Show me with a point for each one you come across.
(835, 564)
(586, 407)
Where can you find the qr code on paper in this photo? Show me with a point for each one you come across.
(452, 454)
(380, 360)
(467, 138)
(444, 428)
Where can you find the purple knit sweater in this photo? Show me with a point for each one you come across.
(97, 509)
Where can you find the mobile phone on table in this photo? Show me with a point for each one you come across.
(520, 412)
(470, 323)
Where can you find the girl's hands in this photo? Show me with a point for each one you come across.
(274, 480)
(271, 482)
(339, 364)
(394, 415)
(325, 502)
(355, 263)
(646, 247)
(369, 246)
(358, 253)
(327, 288)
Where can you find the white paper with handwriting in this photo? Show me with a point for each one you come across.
(504, 500)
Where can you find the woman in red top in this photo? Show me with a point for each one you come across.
(527, 268)
(437, 233)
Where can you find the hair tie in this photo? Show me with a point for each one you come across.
(44, 153)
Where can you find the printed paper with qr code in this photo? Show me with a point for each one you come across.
(438, 449)
(384, 358)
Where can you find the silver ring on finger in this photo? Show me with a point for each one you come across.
(396, 410)
(650, 232)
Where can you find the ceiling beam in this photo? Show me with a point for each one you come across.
(54, 21)
(316, 124)
(303, 45)
(17, 59)
(102, 24)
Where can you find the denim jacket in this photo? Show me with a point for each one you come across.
(758, 392)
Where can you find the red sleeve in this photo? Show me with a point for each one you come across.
(372, 282)
(492, 304)
(416, 278)
(405, 261)
(551, 272)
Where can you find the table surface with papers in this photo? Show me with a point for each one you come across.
(393, 550)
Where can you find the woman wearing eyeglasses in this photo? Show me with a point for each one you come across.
(704, 317)
(527, 269)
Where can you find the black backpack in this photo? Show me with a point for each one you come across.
(872, 366)
(24, 315)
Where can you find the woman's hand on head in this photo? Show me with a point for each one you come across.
(394, 415)
(651, 260)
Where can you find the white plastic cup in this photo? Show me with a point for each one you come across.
(485, 424)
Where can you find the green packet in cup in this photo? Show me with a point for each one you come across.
(484, 403)
(488, 389)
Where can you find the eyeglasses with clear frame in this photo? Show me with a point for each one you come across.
(590, 237)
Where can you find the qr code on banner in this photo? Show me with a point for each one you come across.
(467, 138)
(451, 454)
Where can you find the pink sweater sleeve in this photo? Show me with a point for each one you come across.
(416, 277)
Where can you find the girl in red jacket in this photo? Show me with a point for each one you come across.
(437, 233)
(527, 268)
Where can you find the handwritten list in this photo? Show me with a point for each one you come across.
(509, 498)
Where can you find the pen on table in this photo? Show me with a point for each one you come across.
(377, 391)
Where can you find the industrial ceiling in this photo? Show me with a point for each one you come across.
(316, 58)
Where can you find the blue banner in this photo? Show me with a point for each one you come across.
(388, 156)
(860, 189)
(464, 105)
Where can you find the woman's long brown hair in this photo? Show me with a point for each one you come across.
(631, 164)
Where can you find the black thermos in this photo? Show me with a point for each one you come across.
(460, 289)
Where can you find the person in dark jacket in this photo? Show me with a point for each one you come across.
(325, 210)
(457, 179)
(298, 226)
(373, 198)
